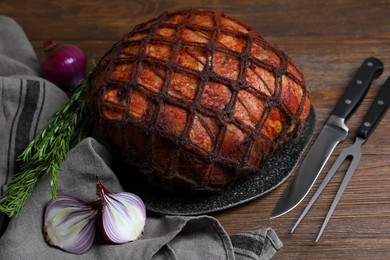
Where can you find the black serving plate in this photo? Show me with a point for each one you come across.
(270, 176)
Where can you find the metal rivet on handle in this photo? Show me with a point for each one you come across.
(348, 101)
(367, 124)
(359, 82)
(380, 102)
(370, 64)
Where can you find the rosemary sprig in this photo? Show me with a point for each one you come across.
(47, 151)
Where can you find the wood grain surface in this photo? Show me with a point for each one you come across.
(327, 40)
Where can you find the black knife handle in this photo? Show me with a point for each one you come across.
(370, 69)
(376, 111)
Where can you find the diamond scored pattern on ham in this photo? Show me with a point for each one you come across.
(197, 100)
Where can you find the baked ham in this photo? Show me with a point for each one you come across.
(197, 100)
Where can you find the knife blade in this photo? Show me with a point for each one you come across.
(333, 133)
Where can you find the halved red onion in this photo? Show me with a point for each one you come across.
(123, 216)
(69, 224)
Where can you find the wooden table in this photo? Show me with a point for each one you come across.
(328, 40)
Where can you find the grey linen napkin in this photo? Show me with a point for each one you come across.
(26, 101)
(165, 237)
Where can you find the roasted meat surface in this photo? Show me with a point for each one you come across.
(197, 100)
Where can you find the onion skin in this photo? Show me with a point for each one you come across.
(64, 65)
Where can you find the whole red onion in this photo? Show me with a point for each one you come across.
(63, 64)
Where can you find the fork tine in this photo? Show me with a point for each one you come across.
(340, 159)
(352, 167)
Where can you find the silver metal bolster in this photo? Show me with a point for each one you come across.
(338, 121)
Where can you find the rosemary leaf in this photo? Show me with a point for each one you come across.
(47, 151)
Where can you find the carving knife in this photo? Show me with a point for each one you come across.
(333, 132)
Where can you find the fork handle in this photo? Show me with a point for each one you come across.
(376, 111)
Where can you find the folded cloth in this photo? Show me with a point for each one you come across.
(17, 56)
(27, 102)
(165, 237)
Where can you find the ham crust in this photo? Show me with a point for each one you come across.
(197, 100)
